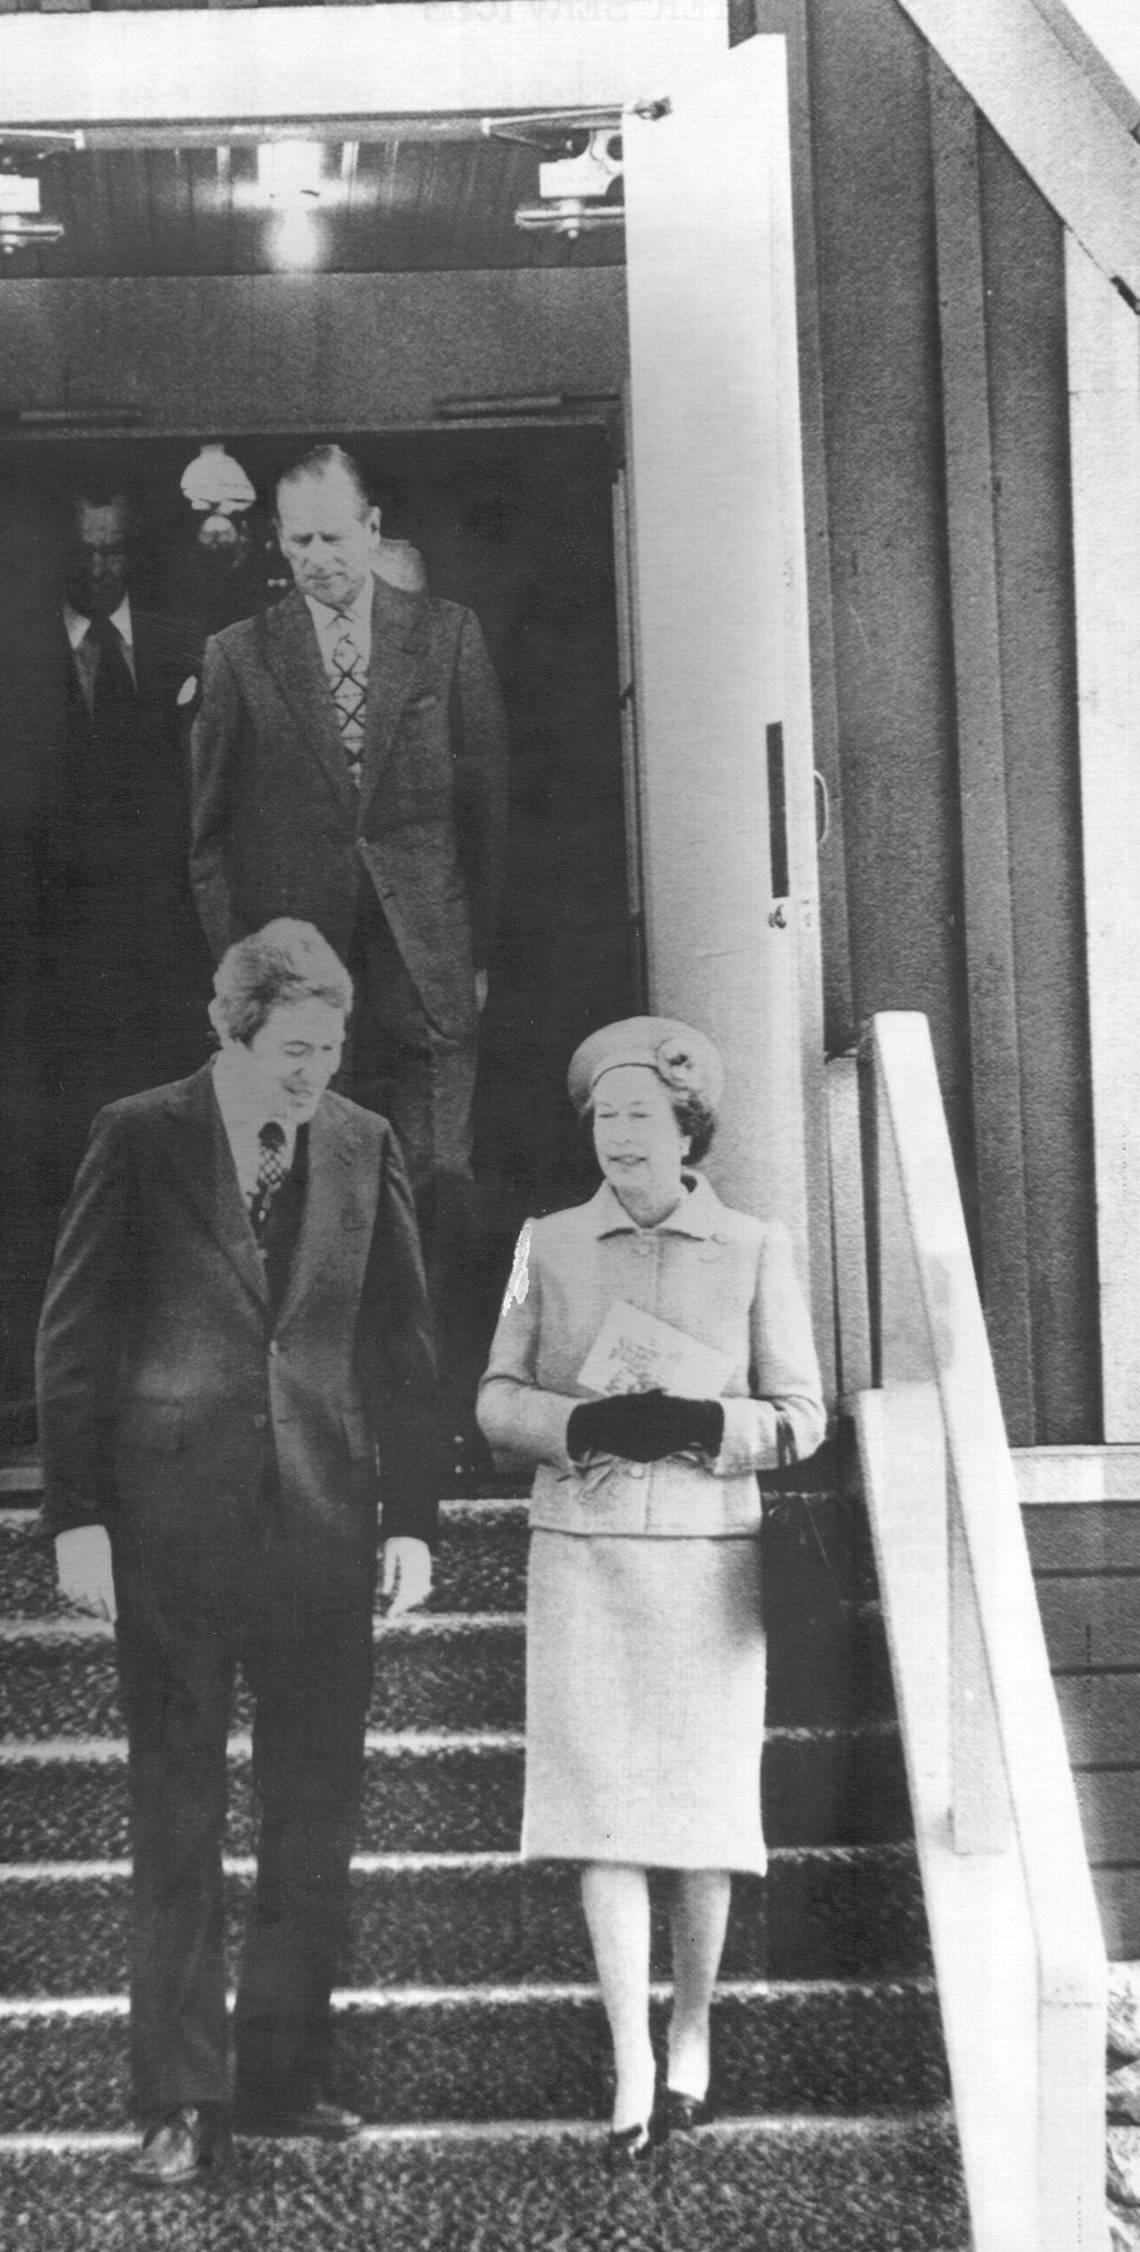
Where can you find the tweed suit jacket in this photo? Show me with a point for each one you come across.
(279, 828)
(166, 1379)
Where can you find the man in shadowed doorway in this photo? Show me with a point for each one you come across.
(127, 971)
(350, 766)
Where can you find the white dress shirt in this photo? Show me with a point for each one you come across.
(328, 624)
(84, 651)
(244, 1113)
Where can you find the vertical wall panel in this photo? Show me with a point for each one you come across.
(894, 685)
(1024, 266)
(986, 876)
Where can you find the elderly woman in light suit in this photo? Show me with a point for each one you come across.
(646, 1660)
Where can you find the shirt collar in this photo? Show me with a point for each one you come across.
(242, 1106)
(76, 624)
(695, 1215)
(359, 611)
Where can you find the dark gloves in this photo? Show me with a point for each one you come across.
(644, 1426)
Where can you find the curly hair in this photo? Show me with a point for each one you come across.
(284, 962)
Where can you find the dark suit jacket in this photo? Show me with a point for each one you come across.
(166, 1380)
(166, 680)
(280, 829)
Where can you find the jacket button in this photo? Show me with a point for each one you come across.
(273, 1346)
(637, 1469)
(259, 1422)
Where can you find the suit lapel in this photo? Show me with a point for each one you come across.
(399, 635)
(293, 657)
(200, 1154)
(340, 1205)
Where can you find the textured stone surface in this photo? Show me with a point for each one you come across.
(836, 1788)
(822, 1913)
(879, 2187)
(1123, 2151)
(465, 1672)
(1123, 2228)
(536, 2054)
(474, 1998)
(1124, 2009)
(1123, 2092)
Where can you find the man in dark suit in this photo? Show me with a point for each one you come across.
(234, 1367)
(349, 766)
(126, 967)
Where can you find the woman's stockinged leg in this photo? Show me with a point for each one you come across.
(699, 1919)
(616, 1901)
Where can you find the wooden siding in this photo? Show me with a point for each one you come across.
(1086, 1561)
(928, 447)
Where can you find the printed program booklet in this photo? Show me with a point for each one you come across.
(635, 1352)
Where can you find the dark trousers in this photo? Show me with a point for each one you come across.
(397, 1062)
(424, 1084)
(293, 1610)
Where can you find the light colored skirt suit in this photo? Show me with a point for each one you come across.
(645, 1641)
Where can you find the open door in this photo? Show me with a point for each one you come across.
(718, 566)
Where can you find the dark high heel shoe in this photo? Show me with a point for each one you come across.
(683, 2112)
(627, 2148)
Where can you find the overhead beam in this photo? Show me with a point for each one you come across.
(264, 65)
(1112, 27)
(1050, 114)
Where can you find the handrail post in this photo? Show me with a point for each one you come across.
(1012, 1913)
(980, 1820)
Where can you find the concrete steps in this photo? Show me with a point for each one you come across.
(792, 2184)
(472, 2034)
(441, 1919)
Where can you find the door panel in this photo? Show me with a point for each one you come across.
(722, 623)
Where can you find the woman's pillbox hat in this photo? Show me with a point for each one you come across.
(683, 1059)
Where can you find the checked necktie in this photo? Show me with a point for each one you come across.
(272, 1173)
(350, 691)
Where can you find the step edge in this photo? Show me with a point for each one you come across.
(768, 2125)
(71, 1751)
(376, 2001)
(15, 1873)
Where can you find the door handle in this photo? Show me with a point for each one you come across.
(778, 823)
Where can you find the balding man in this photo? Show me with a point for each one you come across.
(349, 767)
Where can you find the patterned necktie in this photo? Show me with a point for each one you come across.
(272, 1173)
(350, 690)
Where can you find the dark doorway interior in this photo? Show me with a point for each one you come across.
(517, 524)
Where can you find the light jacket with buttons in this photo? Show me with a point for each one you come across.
(715, 1273)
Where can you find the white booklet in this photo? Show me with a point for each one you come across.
(634, 1352)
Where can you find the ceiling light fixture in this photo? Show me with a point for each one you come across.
(290, 172)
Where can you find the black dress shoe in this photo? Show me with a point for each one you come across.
(683, 2112)
(178, 2147)
(329, 2122)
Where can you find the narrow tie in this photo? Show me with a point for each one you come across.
(114, 719)
(350, 691)
(272, 1173)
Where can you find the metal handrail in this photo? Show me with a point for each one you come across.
(1017, 1945)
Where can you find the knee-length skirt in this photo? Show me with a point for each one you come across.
(645, 1701)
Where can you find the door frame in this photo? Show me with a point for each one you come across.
(119, 82)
